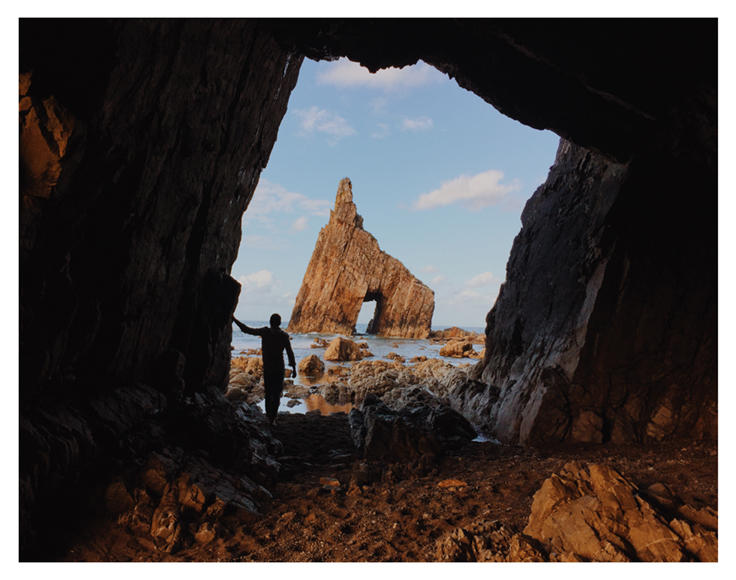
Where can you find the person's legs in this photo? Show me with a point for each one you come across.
(273, 383)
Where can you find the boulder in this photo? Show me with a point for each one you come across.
(250, 365)
(395, 356)
(337, 393)
(311, 366)
(591, 512)
(457, 349)
(413, 432)
(341, 349)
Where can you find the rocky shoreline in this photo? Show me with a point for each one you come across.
(476, 502)
(398, 478)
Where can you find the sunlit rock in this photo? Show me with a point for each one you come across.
(348, 268)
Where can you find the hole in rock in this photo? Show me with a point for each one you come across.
(369, 314)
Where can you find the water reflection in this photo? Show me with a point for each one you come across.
(311, 402)
(318, 403)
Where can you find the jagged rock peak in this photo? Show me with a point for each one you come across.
(345, 209)
(348, 268)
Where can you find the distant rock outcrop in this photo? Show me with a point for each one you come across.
(348, 268)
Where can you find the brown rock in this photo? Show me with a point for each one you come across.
(457, 349)
(338, 371)
(348, 268)
(319, 343)
(311, 366)
(166, 522)
(329, 482)
(450, 483)
(395, 356)
(117, 498)
(45, 130)
(592, 513)
(454, 333)
(250, 365)
(342, 349)
(487, 541)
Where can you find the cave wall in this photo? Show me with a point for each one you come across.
(617, 341)
(141, 143)
(143, 223)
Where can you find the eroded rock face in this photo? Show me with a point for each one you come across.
(603, 348)
(593, 513)
(141, 144)
(348, 268)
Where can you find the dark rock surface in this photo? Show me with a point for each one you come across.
(617, 341)
(576, 77)
(126, 245)
(418, 431)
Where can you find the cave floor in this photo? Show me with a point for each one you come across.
(400, 514)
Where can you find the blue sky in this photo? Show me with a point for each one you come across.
(439, 176)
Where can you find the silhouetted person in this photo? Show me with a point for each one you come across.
(273, 343)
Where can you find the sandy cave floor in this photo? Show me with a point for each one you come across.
(400, 515)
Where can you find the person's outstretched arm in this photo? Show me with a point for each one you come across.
(290, 354)
(245, 328)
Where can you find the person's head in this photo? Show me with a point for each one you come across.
(275, 321)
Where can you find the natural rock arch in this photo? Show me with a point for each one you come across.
(348, 268)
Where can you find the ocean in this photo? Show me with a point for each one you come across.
(379, 346)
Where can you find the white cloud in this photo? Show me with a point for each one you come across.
(429, 268)
(257, 280)
(347, 74)
(474, 191)
(438, 279)
(319, 120)
(270, 197)
(482, 279)
(418, 124)
(299, 224)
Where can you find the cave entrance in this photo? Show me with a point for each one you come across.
(370, 312)
(423, 160)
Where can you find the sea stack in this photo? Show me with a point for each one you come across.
(348, 268)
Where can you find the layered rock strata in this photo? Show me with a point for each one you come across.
(616, 342)
(348, 268)
(141, 144)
